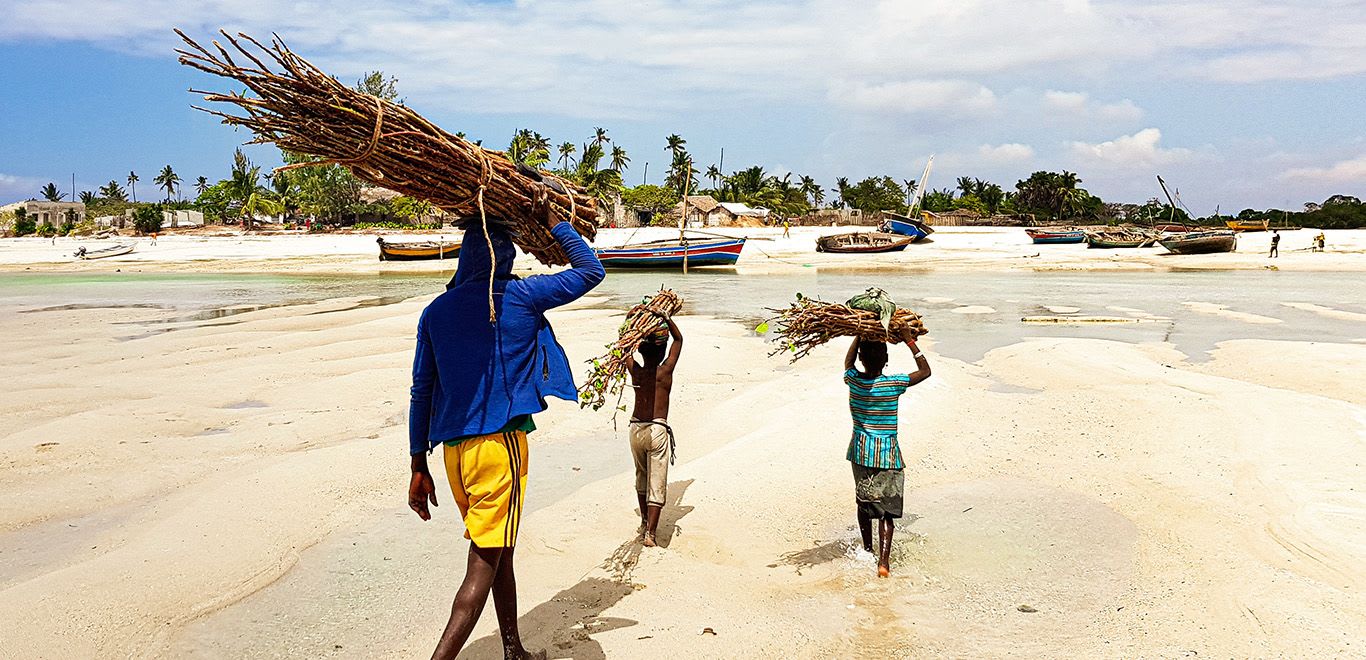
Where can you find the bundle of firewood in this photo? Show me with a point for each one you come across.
(305, 111)
(808, 323)
(608, 374)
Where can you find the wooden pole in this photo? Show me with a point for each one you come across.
(683, 242)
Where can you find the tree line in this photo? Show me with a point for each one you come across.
(332, 195)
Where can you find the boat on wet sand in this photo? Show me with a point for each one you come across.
(418, 251)
(672, 253)
(1056, 235)
(907, 226)
(1121, 237)
(1201, 242)
(111, 251)
(869, 242)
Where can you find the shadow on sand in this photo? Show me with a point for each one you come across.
(564, 625)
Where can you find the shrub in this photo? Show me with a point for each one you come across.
(389, 224)
(46, 230)
(23, 223)
(147, 219)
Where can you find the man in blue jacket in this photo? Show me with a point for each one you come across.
(476, 384)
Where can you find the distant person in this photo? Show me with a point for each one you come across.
(787, 228)
(652, 439)
(476, 383)
(154, 238)
(1275, 244)
(874, 452)
(1319, 242)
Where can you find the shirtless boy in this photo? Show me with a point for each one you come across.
(652, 377)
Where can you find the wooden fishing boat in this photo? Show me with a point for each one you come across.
(1248, 225)
(869, 242)
(907, 226)
(418, 251)
(1173, 228)
(671, 253)
(1056, 235)
(111, 251)
(1121, 238)
(1201, 242)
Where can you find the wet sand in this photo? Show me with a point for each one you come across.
(235, 488)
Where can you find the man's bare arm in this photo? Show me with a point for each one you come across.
(676, 349)
(922, 365)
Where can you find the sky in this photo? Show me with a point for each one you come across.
(1236, 103)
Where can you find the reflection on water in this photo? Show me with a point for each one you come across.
(1157, 297)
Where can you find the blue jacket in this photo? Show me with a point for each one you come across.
(470, 376)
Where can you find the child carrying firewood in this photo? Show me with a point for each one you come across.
(652, 439)
(875, 454)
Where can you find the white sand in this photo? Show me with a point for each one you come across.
(973, 309)
(238, 491)
(1223, 311)
(1330, 312)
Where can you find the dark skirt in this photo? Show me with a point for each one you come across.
(879, 492)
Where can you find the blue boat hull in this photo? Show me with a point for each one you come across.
(722, 253)
(1061, 239)
(906, 229)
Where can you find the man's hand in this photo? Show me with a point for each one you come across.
(420, 491)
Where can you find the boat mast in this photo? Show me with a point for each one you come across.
(1160, 182)
(683, 220)
(920, 188)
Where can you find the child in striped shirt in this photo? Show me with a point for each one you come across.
(879, 483)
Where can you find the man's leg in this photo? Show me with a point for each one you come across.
(651, 524)
(469, 600)
(865, 529)
(644, 515)
(505, 604)
(884, 560)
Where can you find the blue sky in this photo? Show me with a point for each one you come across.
(1237, 103)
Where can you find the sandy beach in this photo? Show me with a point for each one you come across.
(767, 252)
(230, 481)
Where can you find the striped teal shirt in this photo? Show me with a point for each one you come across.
(873, 405)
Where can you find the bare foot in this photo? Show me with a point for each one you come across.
(649, 540)
(883, 571)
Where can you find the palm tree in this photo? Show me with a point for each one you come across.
(600, 136)
(133, 184)
(713, 173)
(675, 144)
(566, 152)
(811, 190)
(51, 194)
(167, 180)
(113, 191)
(201, 185)
(619, 158)
(87, 197)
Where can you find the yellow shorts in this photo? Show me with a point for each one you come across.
(488, 476)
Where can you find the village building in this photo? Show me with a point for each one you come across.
(705, 211)
(54, 213)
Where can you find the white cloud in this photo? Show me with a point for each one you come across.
(1080, 104)
(15, 188)
(1011, 152)
(1141, 149)
(1345, 171)
(917, 96)
(612, 58)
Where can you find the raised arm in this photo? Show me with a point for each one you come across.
(922, 366)
(676, 348)
(566, 286)
(851, 355)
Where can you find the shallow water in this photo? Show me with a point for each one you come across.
(995, 301)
